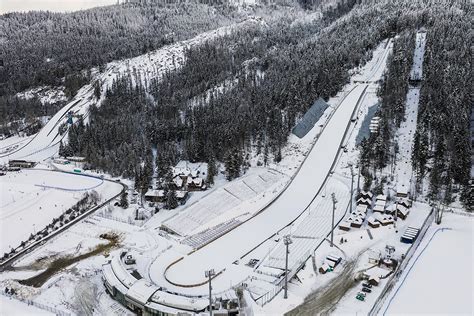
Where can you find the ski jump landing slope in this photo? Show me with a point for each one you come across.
(221, 253)
(47, 138)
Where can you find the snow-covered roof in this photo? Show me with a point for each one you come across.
(155, 193)
(402, 209)
(404, 201)
(325, 266)
(364, 201)
(178, 301)
(141, 291)
(181, 171)
(195, 181)
(345, 224)
(76, 158)
(378, 208)
(121, 273)
(362, 208)
(181, 194)
(366, 193)
(110, 277)
(372, 220)
(381, 197)
(380, 202)
(178, 181)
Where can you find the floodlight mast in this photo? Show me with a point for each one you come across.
(287, 241)
(334, 201)
(209, 274)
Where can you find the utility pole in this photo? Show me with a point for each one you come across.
(287, 241)
(358, 180)
(352, 187)
(209, 274)
(334, 201)
(396, 214)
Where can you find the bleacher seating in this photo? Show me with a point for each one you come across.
(221, 201)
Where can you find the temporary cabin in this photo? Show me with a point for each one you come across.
(373, 222)
(385, 220)
(366, 195)
(21, 164)
(357, 222)
(345, 225)
(362, 201)
(402, 192)
(378, 209)
(362, 208)
(391, 209)
(374, 280)
(358, 214)
(324, 268)
(335, 259)
(411, 233)
(404, 202)
(76, 159)
(402, 212)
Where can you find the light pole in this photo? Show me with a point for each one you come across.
(352, 186)
(395, 215)
(287, 241)
(358, 178)
(209, 274)
(334, 201)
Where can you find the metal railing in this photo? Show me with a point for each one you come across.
(401, 267)
(38, 305)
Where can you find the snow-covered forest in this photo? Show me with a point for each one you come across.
(244, 91)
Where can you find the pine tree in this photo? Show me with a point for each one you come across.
(211, 171)
(61, 149)
(171, 200)
(124, 200)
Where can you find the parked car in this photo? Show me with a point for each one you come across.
(367, 285)
(366, 290)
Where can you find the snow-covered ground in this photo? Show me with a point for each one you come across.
(31, 199)
(143, 68)
(282, 211)
(158, 250)
(406, 133)
(13, 307)
(439, 278)
(44, 94)
(232, 200)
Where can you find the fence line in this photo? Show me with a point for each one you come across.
(38, 305)
(122, 220)
(399, 270)
(416, 259)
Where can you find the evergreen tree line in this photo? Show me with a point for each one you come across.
(46, 48)
(274, 74)
(378, 150)
(16, 112)
(442, 148)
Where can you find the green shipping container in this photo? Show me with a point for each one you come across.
(77, 170)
